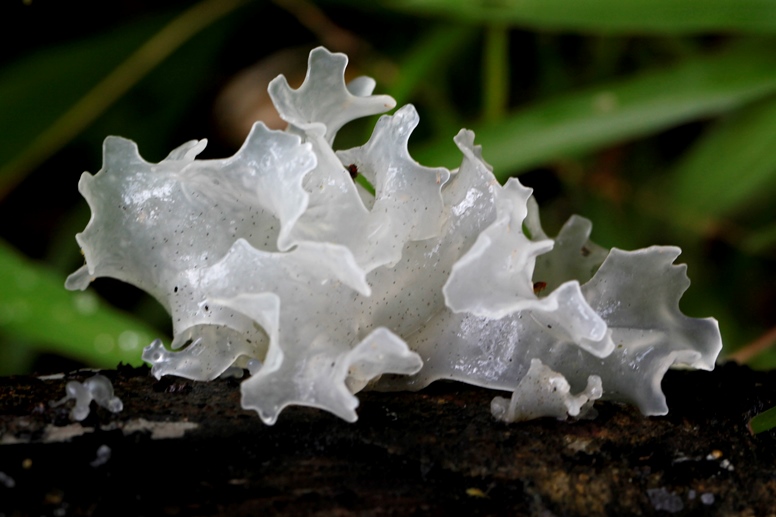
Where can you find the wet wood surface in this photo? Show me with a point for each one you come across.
(186, 448)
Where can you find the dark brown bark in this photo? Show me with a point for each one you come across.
(434, 452)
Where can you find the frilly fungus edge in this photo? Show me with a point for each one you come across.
(277, 261)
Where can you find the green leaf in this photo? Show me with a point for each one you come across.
(152, 111)
(38, 89)
(764, 421)
(607, 16)
(17, 356)
(732, 166)
(617, 111)
(51, 97)
(760, 240)
(495, 72)
(428, 57)
(36, 308)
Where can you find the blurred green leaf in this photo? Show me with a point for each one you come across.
(35, 307)
(17, 356)
(733, 165)
(764, 421)
(66, 90)
(428, 57)
(610, 16)
(38, 89)
(151, 113)
(763, 361)
(616, 111)
(495, 72)
(761, 240)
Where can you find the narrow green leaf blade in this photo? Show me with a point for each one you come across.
(65, 117)
(35, 307)
(438, 46)
(614, 112)
(608, 16)
(732, 166)
(764, 421)
(36, 90)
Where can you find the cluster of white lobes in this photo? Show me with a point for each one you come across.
(277, 261)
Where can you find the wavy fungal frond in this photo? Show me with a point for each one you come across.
(276, 261)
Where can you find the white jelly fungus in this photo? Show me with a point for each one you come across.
(97, 388)
(277, 261)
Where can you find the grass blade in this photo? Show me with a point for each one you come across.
(95, 101)
(618, 111)
(763, 422)
(732, 166)
(609, 16)
(495, 72)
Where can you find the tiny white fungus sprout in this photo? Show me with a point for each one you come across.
(543, 392)
(97, 388)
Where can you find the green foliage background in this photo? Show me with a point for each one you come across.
(654, 118)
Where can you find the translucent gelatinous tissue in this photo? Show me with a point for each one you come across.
(543, 392)
(97, 388)
(276, 261)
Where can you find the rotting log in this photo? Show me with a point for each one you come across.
(186, 448)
